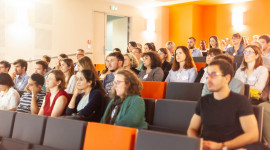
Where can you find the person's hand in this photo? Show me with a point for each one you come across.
(77, 91)
(210, 145)
(27, 89)
(35, 90)
(13, 75)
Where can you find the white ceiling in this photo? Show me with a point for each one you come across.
(153, 3)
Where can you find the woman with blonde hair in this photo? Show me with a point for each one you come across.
(67, 67)
(86, 63)
(126, 108)
(131, 63)
(56, 101)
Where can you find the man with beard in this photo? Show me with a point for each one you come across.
(115, 61)
(192, 47)
(227, 118)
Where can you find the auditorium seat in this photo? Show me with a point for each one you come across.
(29, 128)
(149, 110)
(184, 91)
(173, 115)
(64, 134)
(100, 67)
(199, 59)
(200, 65)
(6, 123)
(12, 144)
(258, 112)
(109, 137)
(41, 147)
(153, 140)
(154, 89)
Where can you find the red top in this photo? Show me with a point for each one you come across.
(47, 108)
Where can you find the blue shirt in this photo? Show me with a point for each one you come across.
(21, 82)
(186, 75)
(231, 50)
(196, 53)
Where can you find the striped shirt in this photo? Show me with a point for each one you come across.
(25, 101)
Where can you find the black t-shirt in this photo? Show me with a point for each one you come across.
(220, 118)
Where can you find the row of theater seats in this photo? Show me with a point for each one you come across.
(175, 90)
(21, 131)
(170, 120)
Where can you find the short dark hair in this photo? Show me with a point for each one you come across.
(5, 79)
(224, 66)
(193, 38)
(43, 64)
(23, 63)
(117, 50)
(155, 60)
(118, 55)
(80, 50)
(133, 44)
(38, 78)
(48, 58)
(150, 46)
(237, 35)
(6, 64)
(265, 37)
(225, 58)
(215, 51)
(63, 55)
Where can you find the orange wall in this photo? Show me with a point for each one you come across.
(210, 20)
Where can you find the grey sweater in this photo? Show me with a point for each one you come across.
(155, 75)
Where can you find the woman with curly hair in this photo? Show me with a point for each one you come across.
(126, 108)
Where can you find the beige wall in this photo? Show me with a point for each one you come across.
(62, 26)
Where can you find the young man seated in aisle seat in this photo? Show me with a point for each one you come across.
(227, 118)
(4, 66)
(115, 61)
(32, 99)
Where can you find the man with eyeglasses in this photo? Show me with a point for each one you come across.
(235, 85)
(79, 54)
(227, 118)
(115, 61)
(4, 66)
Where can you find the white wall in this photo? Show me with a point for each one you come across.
(32, 28)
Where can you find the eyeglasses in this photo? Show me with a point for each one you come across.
(248, 52)
(117, 82)
(213, 74)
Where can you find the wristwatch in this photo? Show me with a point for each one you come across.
(224, 146)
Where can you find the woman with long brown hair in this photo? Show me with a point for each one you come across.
(126, 108)
(67, 67)
(183, 67)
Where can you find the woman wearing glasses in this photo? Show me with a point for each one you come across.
(210, 55)
(126, 108)
(183, 67)
(252, 71)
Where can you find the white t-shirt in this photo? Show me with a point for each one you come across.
(71, 84)
(10, 100)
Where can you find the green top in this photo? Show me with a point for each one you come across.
(140, 66)
(131, 114)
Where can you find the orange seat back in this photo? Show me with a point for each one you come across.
(109, 137)
(200, 65)
(154, 89)
(100, 67)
